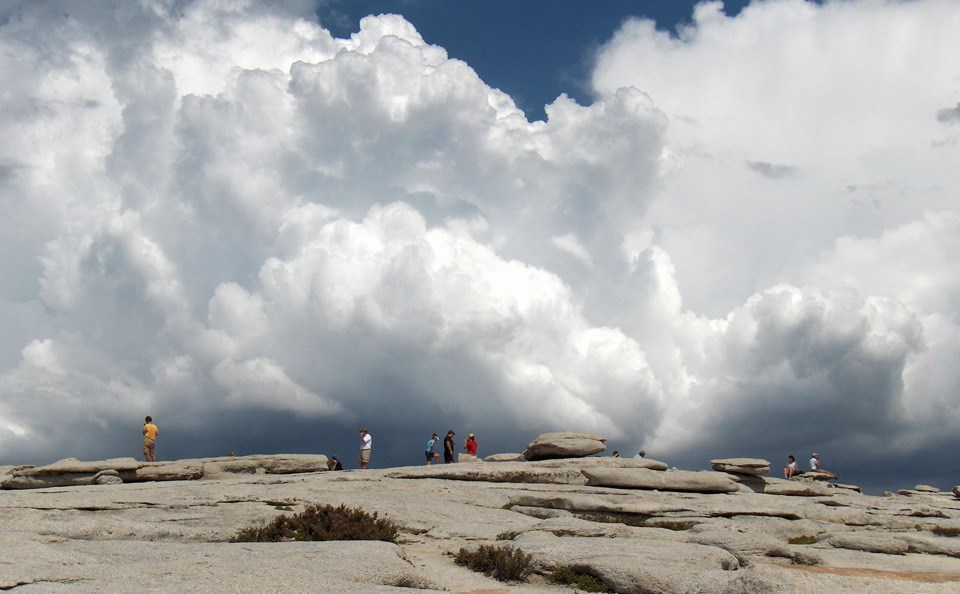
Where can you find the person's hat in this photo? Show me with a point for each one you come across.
(451, 432)
(471, 435)
(815, 455)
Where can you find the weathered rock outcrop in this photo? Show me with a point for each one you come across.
(670, 480)
(751, 466)
(796, 487)
(175, 534)
(559, 472)
(73, 472)
(565, 444)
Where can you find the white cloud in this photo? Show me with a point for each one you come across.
(833, 104)
(746, 241)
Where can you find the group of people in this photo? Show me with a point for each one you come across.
(792, 469)
(150, 433)
(449, 447)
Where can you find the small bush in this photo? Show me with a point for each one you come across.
(577, 579)
(322, 523)
(945, 531)
(802, 540)
(499, 562)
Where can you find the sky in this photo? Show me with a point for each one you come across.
(704, 230)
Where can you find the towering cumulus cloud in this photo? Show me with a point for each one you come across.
(218, 211)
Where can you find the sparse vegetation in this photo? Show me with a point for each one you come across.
(578, 579)
(802, 540)
(499, 562)
(323, 522)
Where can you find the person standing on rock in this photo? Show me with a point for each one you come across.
(791, 469)
(470, 446)
(366, 445)
(430, 453)
(448, 447)
(150, 433)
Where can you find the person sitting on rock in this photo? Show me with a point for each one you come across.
(640, 455)
(791, 469)
(335, 464)
(815, 465)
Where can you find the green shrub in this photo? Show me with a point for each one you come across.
(571, 577)
(499, 562)
(802, 540)
(323, 522)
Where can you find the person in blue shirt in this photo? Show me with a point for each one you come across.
(431, 454)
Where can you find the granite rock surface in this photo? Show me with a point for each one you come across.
(174, 534)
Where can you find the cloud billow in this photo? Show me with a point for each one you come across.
(262, 223)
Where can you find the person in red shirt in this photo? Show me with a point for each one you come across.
(470, 445)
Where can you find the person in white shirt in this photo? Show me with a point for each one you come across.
(366, 444)
(815, 462)
(791, 469)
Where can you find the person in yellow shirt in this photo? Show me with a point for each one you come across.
(150, 433)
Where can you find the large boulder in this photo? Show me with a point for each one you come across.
(670, 480)
(66, 473)
(73, 472)
(796, 488)
(74, 466)
(564, 445)
(107, 477)
(265, 464)
(751, 466)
